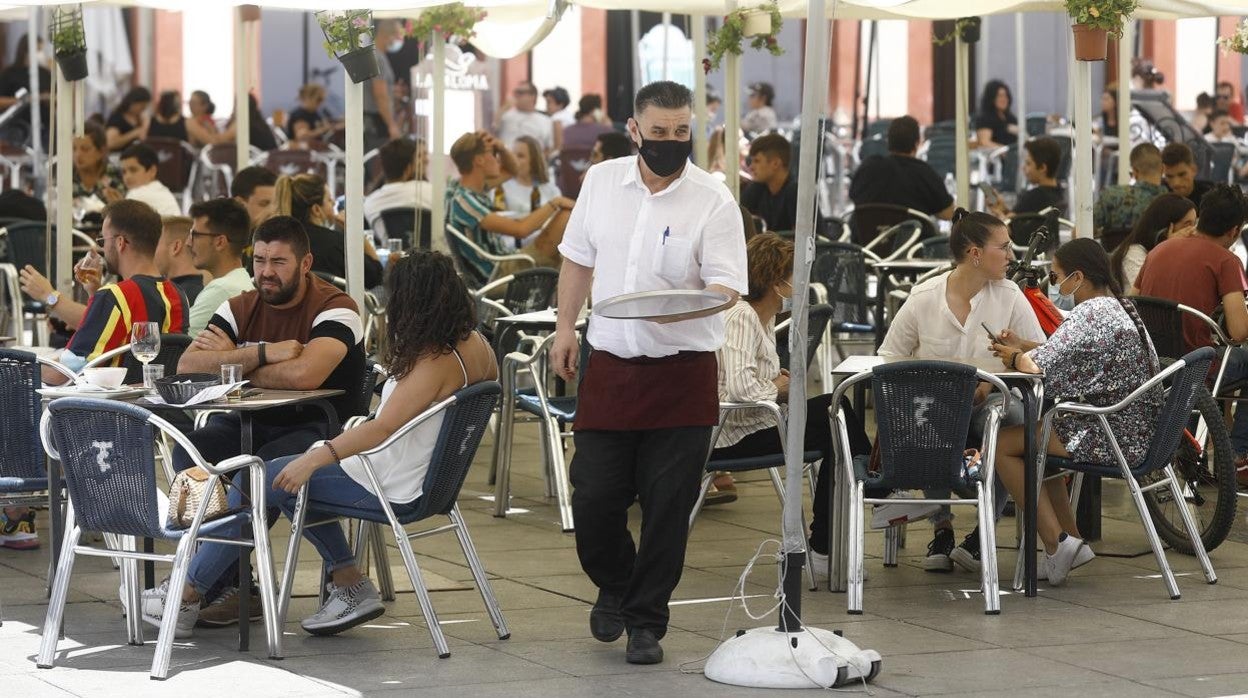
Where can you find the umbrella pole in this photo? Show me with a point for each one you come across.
(793, 656)
(1126, 47)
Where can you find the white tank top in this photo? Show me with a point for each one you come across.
(402, 466)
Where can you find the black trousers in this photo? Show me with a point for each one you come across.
(766, 442)
(662, 469)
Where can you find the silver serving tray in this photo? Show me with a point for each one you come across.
(661, 306)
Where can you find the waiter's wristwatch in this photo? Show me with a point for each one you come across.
(52, 299)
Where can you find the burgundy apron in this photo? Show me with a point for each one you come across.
(646, 393)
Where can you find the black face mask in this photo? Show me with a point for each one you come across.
(665, 158)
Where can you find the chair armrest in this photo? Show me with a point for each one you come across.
(518, 359)
(229, 465)
(1213, 325)
(497, 306)
(999, 385)
(59, 368)
(412, 424)
(107, 356)
(180, 439)
(1083, 408)
(480, 293)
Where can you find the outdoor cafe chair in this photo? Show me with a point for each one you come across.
(106, 449)
(923, 414)
(553, 415)
(839, 277)
(461, 247)
(526, 291)
(875, 227)
(1182, 380)
(772, 463)
(23, 471)
(465, 416)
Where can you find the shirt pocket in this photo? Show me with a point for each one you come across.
(672, 260)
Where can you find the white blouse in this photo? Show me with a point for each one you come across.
(925, 327)
(1132, 262)
(748, 363)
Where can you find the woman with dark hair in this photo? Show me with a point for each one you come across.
(1099, 355)
(129, 121)
(168, 122)
(1169, 215)
(94, 175)
(1107, 124)
(433, 351)
(306, 198)
(943, 319)
(202, 109)
(995, 124)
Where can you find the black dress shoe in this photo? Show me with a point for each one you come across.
(643, 647)
(605, 622)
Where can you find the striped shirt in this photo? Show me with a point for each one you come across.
(465, 209)
(116, 307)
(748, 363)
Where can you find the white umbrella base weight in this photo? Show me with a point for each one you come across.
(770, 658)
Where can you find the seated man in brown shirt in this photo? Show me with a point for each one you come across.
(1201, 272)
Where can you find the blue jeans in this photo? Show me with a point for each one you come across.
(329, 485)
(1237, 369)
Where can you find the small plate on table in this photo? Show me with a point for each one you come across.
(121, 393)
(661, 306)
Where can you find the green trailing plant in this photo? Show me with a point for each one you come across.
(727, 39)
(453, 20)
(968, 27)
(345, 30)
(1102, 14)
(1237, 42)
(67, 32)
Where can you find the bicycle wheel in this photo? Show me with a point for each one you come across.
(1205, 467)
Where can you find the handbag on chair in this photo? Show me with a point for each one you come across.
(187, 491)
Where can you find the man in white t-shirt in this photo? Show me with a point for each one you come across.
(648, 399)
(403, 164)
(138, 170)
(523, 119)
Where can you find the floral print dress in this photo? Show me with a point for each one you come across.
(1098, 357)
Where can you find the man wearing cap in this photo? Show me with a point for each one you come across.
(761, 117)
(647, 400)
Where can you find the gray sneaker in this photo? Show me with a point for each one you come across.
(345, 608)
(188, 613)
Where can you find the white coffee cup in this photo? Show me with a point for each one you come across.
(105, 377)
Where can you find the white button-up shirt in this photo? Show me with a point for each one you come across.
(925, 327)
(687, 236)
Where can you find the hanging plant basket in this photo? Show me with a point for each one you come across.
(1094, 22)
(349, 38)
(756, 23)
(967, 28)
(453, 21)
(69, 41)
(1237, 42)
(361, 64)
(1091, 43)
(762, 23)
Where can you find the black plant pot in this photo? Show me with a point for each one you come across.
(360, 64)
(73, 65)
(970, 30)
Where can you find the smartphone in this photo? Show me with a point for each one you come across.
(991, 336)
(990, 194)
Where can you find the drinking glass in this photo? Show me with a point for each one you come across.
(151, 374)
(230, 374)
(145, 344)
(395, 245)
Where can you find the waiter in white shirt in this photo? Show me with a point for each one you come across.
(648, 399)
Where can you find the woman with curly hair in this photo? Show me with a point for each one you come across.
(433, 352)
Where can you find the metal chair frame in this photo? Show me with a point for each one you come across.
(457, 237)
(402, 538)
(1127, 472)
(180, 559)
(983, 501)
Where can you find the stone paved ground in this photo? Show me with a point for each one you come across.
(1110, 632)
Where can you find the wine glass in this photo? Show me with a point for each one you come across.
(145, 345)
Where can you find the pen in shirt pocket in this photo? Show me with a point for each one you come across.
(666, 232)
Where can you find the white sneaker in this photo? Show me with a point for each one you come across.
(1062, 561)
(819, 566)
(1083, 557)
(345, 608)
(154, 610)
(885, 515)
(157, 594)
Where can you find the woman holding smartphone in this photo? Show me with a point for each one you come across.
(945, 318)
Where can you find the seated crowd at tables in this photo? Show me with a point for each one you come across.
(291, 329)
